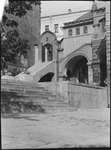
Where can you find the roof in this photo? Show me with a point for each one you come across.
(88, 17)
(63, 14)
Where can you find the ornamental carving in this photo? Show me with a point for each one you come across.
(96, 72)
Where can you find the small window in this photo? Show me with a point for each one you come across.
(70, 32)
(103, 25)
(46, 27)
(56, 28)
(85, 30)
(77, 31)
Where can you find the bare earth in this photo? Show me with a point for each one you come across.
(81, 128)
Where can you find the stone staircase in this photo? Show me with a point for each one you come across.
(38, 69)
(31, 92)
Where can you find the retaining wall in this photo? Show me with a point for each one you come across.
(79, 95)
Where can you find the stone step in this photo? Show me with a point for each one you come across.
(45, 104)
(22, 93)
(23, 89)
(14, 82)
(22, 84)
(18, 87)
(52, 104)
(55, 110)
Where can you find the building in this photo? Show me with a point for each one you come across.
(80, 56)
(76, 68)
(54, 23)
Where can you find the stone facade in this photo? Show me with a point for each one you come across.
(80, 56)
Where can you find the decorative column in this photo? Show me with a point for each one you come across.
(46, 51)
(98, 14)
(96, 72)
(108, 47)
(36, 53)
(90, 73)
(40, 52)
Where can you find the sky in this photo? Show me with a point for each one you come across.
(58, 7)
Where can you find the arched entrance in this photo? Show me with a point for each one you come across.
(47, 78)
(103, 68)
(47, 53)
(78, 68)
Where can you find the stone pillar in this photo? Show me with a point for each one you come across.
(36, 53)
(46, 59)
(40, 53)
(90, 73)
(96, 72)
(108, 46)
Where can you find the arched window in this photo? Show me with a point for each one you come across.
(70, 32)
(77, 31)
(43, 53)
(49, 52)
(85, 30)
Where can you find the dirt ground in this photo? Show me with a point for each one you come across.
(80, 128)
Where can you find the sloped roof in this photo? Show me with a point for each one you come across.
(84, 18)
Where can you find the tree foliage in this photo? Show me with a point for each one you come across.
(11, 42)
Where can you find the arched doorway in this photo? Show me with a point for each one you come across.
(103, 68)
(47, 78)
(78, 68)
(47, 53)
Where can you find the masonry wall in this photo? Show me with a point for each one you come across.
(79, 95)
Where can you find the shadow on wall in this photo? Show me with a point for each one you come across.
(47, 78)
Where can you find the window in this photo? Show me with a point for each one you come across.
(56, 28)
(46, 27)
(70, 32)
(77, 31)
(85, 30)
(103, 25)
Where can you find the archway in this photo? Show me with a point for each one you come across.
(47, 78)
(103, 68)
(47, 53)
(78, 68)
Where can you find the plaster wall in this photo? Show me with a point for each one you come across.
(59, 19)
(79, 95)
(73, 43)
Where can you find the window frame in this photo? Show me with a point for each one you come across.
(76, 31)
(46, 27)
(70, 34)
(84, 30)
(56, 28)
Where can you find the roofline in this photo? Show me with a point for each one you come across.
(80, 24)
(65, 14)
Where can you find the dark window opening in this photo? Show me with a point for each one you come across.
(77, 31)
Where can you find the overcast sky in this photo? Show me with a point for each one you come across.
(56, 7)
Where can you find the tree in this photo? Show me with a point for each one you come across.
(11, 42)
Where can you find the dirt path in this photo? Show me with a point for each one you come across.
(82, 128)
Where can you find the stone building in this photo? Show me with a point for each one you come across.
(82, 56)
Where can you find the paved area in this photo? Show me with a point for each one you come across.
(81, 128)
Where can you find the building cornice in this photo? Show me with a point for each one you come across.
(78, 24)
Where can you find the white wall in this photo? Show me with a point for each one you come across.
(59, 19)
(71, 43)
